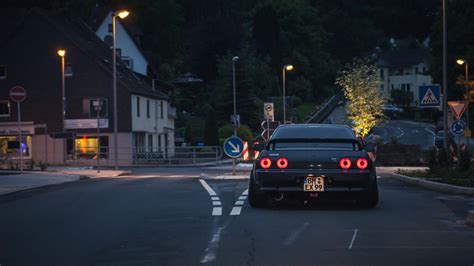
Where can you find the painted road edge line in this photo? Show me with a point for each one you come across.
(237, 209)
(216, 211)
(353, 238)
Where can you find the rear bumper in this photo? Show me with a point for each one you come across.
(336, 182)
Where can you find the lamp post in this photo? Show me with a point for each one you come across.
(445, 81)
(121, 14)
(466, 73)
(285, 69)
(62, 54)
(98, 106)
(234, 59)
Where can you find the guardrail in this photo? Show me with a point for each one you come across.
(326, 110)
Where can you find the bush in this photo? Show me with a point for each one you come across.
(43, 165)
(464, 160)
(30, 165)
(444, 159)
(243, 132)
(432, 158)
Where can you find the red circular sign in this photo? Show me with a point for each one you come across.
(17, 94)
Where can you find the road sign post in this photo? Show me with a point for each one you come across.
(457, 128)
(233, 147)
(18, 94)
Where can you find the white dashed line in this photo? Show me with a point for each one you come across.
(239, 202)
(246, 192)
(216, 211)
(235, 211)
(292, 238)
(242, 197)
(210, 254)
(353, 238)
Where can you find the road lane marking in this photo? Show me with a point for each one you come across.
(246, 192)
(235, 211)
(292, 238)
(353, 238)
(239, 202)
(217, 211)
(207, 187)
(210, 253)
(242, 197)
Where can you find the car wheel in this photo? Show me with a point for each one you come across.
(256, 199)
(371, 198)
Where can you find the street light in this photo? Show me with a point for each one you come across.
(285, 68)
(445, 80)
(121, 14)
(234, 59)
(466, 69)
(62, 54)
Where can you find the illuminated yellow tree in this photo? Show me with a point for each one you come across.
(359, 82)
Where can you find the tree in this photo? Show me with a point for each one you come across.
(401, 97)
(359, 83)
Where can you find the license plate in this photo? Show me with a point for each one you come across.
(314, 183)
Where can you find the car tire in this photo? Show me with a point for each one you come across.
(371, 198)
(256, 199)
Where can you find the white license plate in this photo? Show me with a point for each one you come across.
(314, 183)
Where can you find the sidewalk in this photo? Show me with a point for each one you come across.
(11, 181)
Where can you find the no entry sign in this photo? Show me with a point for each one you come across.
(17, 94)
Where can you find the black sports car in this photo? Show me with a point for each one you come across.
(313, 161)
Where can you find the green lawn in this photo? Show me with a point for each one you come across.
(444, 175)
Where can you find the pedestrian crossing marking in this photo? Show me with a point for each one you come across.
(429, 98)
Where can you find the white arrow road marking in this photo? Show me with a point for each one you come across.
(216, 211)
(235, 148)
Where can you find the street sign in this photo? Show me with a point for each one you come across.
(233, 147)
(458, 108)
(235, 120)
(429, 96)
(268, 128)
(268, 111)
(17, 94)
(458, 127)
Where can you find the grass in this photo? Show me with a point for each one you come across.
(450, 176)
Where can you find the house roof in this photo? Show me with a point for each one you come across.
(403, 57)
(85, 39)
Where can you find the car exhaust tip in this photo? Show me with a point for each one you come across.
(279, 197)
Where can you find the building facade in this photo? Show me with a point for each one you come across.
(404, 69)
(29, 59)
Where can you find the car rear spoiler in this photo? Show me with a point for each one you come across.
(320, 140)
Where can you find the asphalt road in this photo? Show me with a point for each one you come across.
(407, 132)
(169, 217)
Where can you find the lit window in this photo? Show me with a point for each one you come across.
(86, 147)
(10, 148)
(4, 108)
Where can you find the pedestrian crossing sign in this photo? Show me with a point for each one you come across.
(429, 96)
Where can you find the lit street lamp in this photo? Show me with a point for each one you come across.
(121, 14)
(466, 64)
(62, 54)
(285, 68)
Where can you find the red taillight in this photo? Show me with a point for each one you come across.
(265, 163)
(282, 163)
(345, 163)
(362, 163)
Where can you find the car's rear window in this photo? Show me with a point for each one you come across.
(312, 146)
(318, 132)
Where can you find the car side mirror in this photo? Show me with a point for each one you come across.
(258, 147)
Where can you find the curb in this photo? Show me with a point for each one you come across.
(435, 185)
(470, 218)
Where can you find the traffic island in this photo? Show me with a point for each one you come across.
(437, 186)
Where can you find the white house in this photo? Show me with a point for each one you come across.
(404, 69)
(152, 119)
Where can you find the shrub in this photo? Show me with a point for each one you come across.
(464, 160)
(43, 165)
(431, 158)
(444, 159)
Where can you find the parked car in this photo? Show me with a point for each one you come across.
(309, 161)
(388, 107)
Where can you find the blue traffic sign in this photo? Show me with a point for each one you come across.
(458, 127)
(233, 146)
(429, 96)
